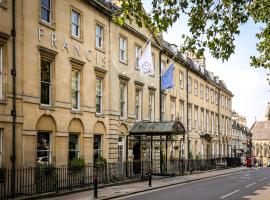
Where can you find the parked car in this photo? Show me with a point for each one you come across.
(268, 163)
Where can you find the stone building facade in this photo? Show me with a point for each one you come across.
(241, 136)
(261, 138)
(79, 90)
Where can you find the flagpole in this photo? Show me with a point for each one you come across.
(142, 48)
(161, 72)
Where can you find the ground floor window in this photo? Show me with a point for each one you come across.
(74, 150)
(43, 148)
(120, 149)
(97, 147)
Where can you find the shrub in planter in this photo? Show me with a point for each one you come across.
(100, 163)
(44, 169)
(77, 164)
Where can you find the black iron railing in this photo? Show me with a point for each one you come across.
(41, 179)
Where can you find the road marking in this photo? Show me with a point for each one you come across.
(229, 194)
(262, 179)
(250, 184)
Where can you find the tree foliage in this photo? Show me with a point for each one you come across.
(213, 24)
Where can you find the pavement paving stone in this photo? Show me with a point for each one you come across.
(127, 189)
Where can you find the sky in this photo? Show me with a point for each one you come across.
(248, 84)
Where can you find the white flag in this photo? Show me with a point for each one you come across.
(146, 62)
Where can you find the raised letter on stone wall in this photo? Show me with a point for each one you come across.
(40, 33)
(77, 51)
(65, 46)
(53, 40)
(88, 54)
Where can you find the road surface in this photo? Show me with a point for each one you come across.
(252, 184)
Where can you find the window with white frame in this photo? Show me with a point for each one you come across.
(189, 117)
(1, 148)
(212, 123)
(173, 109)
(75, 89)
(123, 100)
(121, 152)
(196, 88)
(75, 23)
(138, 54)
(181, 80)
(99, 36)
(207, 121)
(97, 147)
(196, 118)
(202, 119)
(163, 108)
(73, 146)
(1, 75)
(207, 93)
(45, 82)
(181, 113)
(222, 101)
(202, 91)
(123, 49)
(45, 8)
(99, 94)
(189, 84)
(138, 104)
(162, 65)
(43, 148)
(216, 124)
(151, 106)
(216, 97)
(212, 96)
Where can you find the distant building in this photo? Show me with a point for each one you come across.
(240, 136)
(261, 138)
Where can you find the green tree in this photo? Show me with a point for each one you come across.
(213, 24)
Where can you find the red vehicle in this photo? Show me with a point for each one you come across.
(248, 162)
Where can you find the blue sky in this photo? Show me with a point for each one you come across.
(249, 86)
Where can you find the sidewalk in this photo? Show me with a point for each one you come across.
(128, 189)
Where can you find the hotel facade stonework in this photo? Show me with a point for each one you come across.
(79, 91)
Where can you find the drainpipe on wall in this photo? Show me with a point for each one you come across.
(219, 124)
(187, 118)
(13, 111)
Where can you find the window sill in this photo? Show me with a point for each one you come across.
(46, 107)
(103, 50)
(51, 26)
(79, 39)
(76, 111)
(4, 101)
(3, 5)
(100, 115)
(123, 62)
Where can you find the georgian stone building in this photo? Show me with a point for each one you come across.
(261, 138)
(241, 136)
(79, 90)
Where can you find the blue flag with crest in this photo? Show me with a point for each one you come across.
(167, 78)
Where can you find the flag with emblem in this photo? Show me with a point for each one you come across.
(145, 62)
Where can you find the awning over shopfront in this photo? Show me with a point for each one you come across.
(157, 128)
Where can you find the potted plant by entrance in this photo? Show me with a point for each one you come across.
(77, 164)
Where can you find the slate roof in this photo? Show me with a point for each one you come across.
(261, 130)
